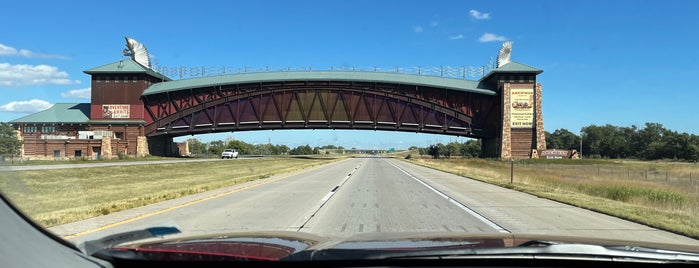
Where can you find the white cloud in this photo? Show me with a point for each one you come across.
(490, 37)
(456, 37)
(478, 15)
(31, 106)
(418, 29)
(84, 93)
(5, 50)
(11, 51)
(31, 75)
(434, 24)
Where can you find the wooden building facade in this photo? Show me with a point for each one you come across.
(111, 125)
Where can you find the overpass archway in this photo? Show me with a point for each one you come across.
(325, 100)
(319, 102)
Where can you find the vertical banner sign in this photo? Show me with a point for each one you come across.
(115, 110)
(522, 112)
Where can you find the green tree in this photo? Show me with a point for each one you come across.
(605, 141)
(281, 149)
(562, 139)
(216, 147)
(241, 146)
(302, 150)
(650, 134)
(451, 148)
(10, 144)
(471, 148)
(435, 150)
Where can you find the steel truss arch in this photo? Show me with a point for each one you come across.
(315, 105)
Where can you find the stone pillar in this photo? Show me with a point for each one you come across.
(539, 120)
(183, 148)
(142, 146)
(506, 129)
(106, 150)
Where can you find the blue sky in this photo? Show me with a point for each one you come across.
(605, 62)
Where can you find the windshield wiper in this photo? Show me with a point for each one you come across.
(92, 246)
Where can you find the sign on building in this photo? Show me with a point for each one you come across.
(522, 112)
(115, 110)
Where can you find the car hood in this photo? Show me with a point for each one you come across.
(280, 245)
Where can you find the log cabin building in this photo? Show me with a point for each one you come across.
(111, 125)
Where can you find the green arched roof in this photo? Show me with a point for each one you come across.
(260, 77)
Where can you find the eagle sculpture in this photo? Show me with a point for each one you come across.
(504, 54)
(137, 52)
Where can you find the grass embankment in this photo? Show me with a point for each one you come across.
(59, 196)
(669, 206)
(81, 160)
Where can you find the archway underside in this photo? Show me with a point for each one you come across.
(318, 105)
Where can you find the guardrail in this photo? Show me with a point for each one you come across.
(460, 72)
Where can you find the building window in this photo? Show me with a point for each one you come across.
(29, 129)
(48, 129)
(78, 153)
(56, 153)
(119, 135)
(106, 78)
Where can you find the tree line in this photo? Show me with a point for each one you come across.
(216, 147)
(468, 149)
(650, 142)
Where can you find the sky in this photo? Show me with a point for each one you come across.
(604, 62)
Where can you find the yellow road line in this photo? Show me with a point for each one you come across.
(186, 204)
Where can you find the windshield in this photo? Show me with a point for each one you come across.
(374, 125)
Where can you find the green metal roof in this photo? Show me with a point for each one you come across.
(397, 78)
(125, 66)
(59, 113)
(515, 67)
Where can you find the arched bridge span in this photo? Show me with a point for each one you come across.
(321, 100)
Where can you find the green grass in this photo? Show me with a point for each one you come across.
(82, 160)
(671, 206)
(59, 196)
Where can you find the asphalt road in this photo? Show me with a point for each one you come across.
(362, 195)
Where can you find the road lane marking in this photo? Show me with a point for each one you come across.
(456, 202)
(122, 222)
(304, 220)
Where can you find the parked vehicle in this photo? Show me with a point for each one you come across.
(229, 154)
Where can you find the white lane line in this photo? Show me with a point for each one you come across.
(303, 221)
(456, 202)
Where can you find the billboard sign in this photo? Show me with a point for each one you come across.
(522, 112)
(115, 111)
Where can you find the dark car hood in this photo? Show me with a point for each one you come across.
(280, 245)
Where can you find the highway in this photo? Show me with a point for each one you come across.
(363, 195)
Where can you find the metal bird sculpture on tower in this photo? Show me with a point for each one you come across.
(504, 54)
(137, 52)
